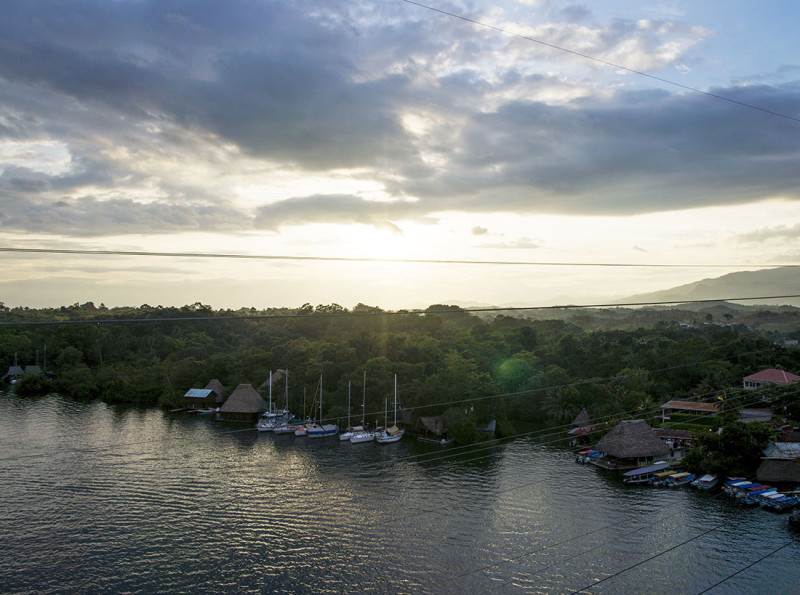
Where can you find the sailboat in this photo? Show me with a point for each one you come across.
(350, 430)
(394, 433)
(269, 419)
(302, 429)
(286, 425)
(320, 430)
(363, 434)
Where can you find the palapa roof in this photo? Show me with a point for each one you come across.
(582, 419)
(691, 406)
(774, 376)
(276, 376)
(216, 386)
(245, 399)
(779, 471)
(434, 424)
(632, 439)
(33, 369)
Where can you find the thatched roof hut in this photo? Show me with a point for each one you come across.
(634, 441)
(243, 405)
(779, 471)
(276, 376)
(433, 425)
(219, 390)
(13, 372)
(582, 419)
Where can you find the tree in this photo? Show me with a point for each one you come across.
(736, 450)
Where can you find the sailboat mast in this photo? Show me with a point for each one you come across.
(395, 399)
(364, 401)
(270, 391)
(286, 398)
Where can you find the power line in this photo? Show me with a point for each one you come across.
(601, 61)
(400, 312)
(761, 559)
(83, 252)
(639, 563)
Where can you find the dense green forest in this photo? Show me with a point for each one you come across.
(527, 369)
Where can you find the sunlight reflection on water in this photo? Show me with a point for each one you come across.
(112, 498)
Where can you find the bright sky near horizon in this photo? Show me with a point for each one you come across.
(366, 129)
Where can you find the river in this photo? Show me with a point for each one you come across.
(98, 498)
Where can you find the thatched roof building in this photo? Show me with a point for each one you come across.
(582, 419)
(276, 377)
(218, 389)
(243, 405)
(634, 442)
(779, 471)
(13, 372)
(434, 425)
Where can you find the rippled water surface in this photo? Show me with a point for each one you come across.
(97, 498)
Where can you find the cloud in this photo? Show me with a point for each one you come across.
(166, 109)
(479, 231)
(779, 232)
(338, 209)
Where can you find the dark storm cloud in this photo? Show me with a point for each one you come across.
(638, 152)
(313, 87)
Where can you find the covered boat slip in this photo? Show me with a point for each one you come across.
(644, 474)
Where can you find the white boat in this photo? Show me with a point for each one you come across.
(350, 430)
(393, 434)
(705, 483)
(321, 430)
(362, 434)
(269, 419)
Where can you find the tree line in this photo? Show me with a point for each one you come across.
(524, 370)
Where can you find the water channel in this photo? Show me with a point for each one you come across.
(99, 498)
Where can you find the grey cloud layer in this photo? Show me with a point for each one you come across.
(315, 88)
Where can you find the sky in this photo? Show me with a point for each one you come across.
(506, 132)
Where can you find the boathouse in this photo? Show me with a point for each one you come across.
(631, 444)
(200, 398)
(244, 405)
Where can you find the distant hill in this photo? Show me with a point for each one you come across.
(745, 284)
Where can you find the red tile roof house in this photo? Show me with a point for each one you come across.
(770, 376)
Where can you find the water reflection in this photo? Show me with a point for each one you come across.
(110, 498)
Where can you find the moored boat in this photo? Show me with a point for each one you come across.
(706, 482)
(644, 474)
(679, 479)
(393, 434)
(320, 430)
